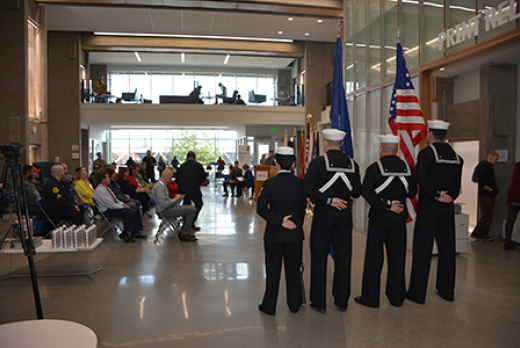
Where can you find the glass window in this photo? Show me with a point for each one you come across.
(245, 84)
(389, 37)
(432, 23)
(118, 83)
(360, 49)
(374, 111)
(374, 41)
(183, 83)
(142, 83)
(208, 84)
(162, 84)
(349, 46)
(360, 144)
(267, 86)
(409, 32)
(460, 11)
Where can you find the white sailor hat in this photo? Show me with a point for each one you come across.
(389, 139)
(334, 134)
(285, 151)
(438, 124)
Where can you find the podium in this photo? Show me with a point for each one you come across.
(262, 173)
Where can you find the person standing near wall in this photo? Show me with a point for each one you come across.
(513, 206)
(150, 165)
(487, 191)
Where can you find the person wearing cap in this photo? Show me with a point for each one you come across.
(438, 173)
(332, 180)
(282, 204)
(100, 162)
(93, 176)
(387, 184)
(31, 193)
(35, 181)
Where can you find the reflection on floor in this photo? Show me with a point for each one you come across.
(205, 294)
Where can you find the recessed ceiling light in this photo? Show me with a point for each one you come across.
(227, 59)
(280, 32)
(290, 19)
(194, 36)
(442, 69)
(307, 34)
(137, 56)
(183, 57)
(320, 20)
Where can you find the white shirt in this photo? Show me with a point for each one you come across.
(106, 199)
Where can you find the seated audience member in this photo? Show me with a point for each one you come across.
(35, 181)
(239, 100)
(128, 189)
(249, 180)
(169, 208)
(116, 189)
(83, 187)
(142, 177)
(92, 178)
(57, 201)
(67, 179)
(31, 193)
(172, 185)
(223, 93)
(233, 181)
(112, 207)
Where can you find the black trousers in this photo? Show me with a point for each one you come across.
(393, 235)
(131, 218)
(327, 229)
(196, 198)
(143, 198)
(71, 214)
(291, 254)
(235, 185)
(512, 213)
(486, 206)
(433, 221)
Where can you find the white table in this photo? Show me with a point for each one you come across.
(46, 333)
(46, 248)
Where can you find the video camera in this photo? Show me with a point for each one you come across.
(11, 152)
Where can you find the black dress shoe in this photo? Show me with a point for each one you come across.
(188, 239)
(318, 308)
(262, 309)
(437, 292)
(360, 301)
(138, 235)
(126, 238)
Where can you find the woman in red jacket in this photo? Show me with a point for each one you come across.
(513, 204)
(172, 186)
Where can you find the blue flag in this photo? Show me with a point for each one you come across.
(338, 108)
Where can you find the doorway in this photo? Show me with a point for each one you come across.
(468, 198)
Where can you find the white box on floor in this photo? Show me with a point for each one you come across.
(461, 234)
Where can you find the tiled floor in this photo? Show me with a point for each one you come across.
(205, 294)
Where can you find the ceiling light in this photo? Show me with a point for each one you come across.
(280, 32)
(442, 69)
(237, 38)
(320, 20)
(227, 59)
(137, 56)
(183, 57)
(290, 19)
(307, 34)
(164, 127)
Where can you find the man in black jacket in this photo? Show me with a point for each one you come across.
(331, 182)
(190, 176)
(387, 184)
(282, 204)
(487, 191)
(57, 201)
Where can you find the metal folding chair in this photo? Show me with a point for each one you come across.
(54, 222)
(117, 221)
(172, 223)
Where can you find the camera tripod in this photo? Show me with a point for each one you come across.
(15, 167)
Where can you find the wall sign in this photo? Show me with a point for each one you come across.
(493, 18)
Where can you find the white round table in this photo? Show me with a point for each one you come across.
(47, 333)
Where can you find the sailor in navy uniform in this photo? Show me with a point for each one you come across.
(282, 204)
(332, 180)
(387, 184)
(439, 171)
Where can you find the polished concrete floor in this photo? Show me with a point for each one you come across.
(205, 294)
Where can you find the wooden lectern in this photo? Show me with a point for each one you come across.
(262, 173)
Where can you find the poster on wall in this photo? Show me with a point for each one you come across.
(244, 155)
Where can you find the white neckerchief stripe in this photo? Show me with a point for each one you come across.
(332, 180)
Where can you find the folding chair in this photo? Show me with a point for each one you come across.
(89, 209)
(117, 221)
(173, 223)
(47, 217)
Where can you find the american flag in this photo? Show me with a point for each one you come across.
(406, 119)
